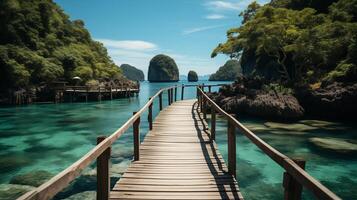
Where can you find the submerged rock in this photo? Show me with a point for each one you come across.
(335, 144)
(297, 127)
(117, 170)
(34, 178)
(11, 163)
(324, 124)
(87, 195)
(13, 191)
(163, 68)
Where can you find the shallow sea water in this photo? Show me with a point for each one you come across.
(51, 137)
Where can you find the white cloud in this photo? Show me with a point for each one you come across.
(200, 29)
(231, 5)
(128, 44)
(215, 16)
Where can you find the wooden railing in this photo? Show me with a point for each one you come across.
(295, 176)
(101, 153)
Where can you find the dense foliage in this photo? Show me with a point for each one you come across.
(163, 68)
(228, 72)
(297, 41)
(40, 44)
(132, 72)
(192, 76)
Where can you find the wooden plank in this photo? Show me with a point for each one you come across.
(178, 160)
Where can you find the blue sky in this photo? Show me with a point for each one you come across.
(136, 30)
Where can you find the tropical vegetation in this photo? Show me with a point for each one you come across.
(296, 42)
(39, 44)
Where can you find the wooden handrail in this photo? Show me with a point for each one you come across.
(50, 188)
(293, 169)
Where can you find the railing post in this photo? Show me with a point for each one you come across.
(209, 88)
(150, 115)
(160, 101)
(168, 96)
(136, 132)
(172, 95)
(204, 106)
(182, 91)
(213, 123)
(231, 149)
(201, 102)
(175, 93)
(292, 188)
(103, 180)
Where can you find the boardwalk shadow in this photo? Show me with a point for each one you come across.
(216, 166)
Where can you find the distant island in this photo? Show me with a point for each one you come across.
(40, 45)
(228, 72)
(132, 73)
(192, 76)
(163, 68)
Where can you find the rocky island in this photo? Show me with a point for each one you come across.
(132, 73)
(228, 72)
(192, 76)
(163, 68)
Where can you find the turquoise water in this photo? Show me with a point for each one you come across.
(50, 137)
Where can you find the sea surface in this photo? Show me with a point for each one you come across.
(50, 137)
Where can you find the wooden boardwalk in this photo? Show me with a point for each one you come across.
(178, 161)
(179, 158)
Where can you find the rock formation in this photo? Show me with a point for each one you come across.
(163, 68)
(132, 72)
(192, 76)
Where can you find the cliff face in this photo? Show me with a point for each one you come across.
(39, 44)
(192, 76)
(228, 72)
(163, 68)
(132, 72)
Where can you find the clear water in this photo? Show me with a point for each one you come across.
(52, 136)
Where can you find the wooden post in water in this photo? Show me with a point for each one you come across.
(213, 123)
(136, 132)
(103, 178)
(99, 95)
(150, 116)
(182, 91)
(172, 95)
(292, 188)
(160, 101)
(111, 93)
(175, 92)
(169, 96)
(231, 149)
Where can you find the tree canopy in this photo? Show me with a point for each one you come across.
(40, 44)
(299, 40)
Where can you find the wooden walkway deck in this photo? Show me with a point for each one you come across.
(179, 158)
(178, 161)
